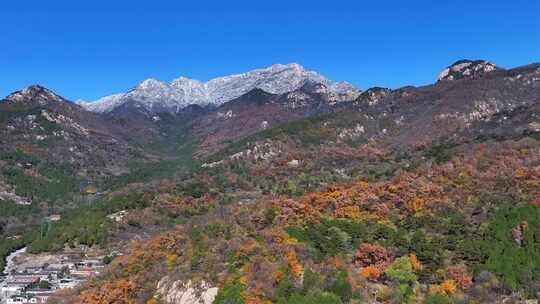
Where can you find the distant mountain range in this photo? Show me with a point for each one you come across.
(156, 96)
(188, 119)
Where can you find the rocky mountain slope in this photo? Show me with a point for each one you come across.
(37, 122)
(259, 110)
(499, 104)
(54, 155)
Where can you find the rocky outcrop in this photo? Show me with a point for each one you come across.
(34, 94)
(373, 96)
(466, 69)
(172, 291)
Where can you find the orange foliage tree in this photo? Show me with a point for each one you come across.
(118, 292)
(370, 272)
(297, 271)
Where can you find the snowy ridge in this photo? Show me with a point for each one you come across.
(278, 79)
(104, 104)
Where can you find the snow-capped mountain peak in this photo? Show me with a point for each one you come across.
(183, 81)
(151, 84)
(181, 92)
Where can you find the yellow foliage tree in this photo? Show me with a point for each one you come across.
(170, 261)
(448, 287)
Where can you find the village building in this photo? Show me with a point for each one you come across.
(36, 284)
(26, 299)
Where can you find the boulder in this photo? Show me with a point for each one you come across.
(178, 292)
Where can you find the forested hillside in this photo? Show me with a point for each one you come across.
(415, 195)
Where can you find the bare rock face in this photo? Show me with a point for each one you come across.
(178, 292)
(466, 69)
(295, 163)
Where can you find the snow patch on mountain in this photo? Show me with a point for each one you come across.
(278, 79)
(105, 104)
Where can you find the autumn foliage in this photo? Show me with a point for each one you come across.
(117, 292)
(416, 265)
(370, 272)
(295, 267)
(448, 287)
(372, 255)
(459, 275)
(422, 215)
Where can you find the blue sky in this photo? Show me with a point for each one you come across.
(87, 49)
